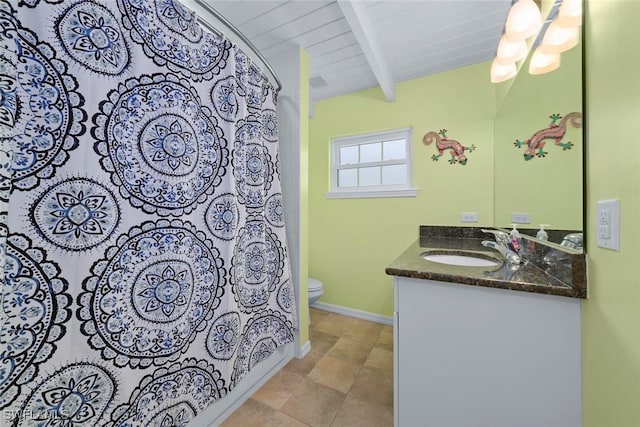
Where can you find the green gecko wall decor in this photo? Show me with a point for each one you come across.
(555, 131)
(456, 149)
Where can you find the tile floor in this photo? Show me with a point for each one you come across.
(345, 381)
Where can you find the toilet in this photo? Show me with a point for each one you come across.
(315, 290)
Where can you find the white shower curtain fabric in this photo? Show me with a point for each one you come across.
(142, 240)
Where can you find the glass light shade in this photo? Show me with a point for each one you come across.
(509, 52)
(558, 39)
(524, 20)
(542, 62)
(502, 72)
(570, 13)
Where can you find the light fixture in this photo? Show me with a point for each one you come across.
(558, 39)
(502, 72)
(542, 62)
(570, 13)
(509, 52)
(560, 32)
(523, 21)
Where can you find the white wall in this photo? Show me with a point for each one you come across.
(291, 113)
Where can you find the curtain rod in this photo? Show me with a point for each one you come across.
(238, 33)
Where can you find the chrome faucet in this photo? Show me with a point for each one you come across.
(573, 241)
(502, 245)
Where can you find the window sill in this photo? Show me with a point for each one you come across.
(369, 194)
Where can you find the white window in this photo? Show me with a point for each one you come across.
(372, 165)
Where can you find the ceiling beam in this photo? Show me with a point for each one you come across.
(362, 28)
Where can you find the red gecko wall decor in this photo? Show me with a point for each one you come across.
(443, 143)
(555, 131)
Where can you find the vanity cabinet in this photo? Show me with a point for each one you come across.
(473, 356)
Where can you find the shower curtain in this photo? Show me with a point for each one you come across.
(142, 243)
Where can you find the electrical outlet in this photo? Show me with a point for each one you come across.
(521, 218)
(469, 217)
(603, 217)
(608, 227)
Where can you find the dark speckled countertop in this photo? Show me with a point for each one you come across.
(564, 277)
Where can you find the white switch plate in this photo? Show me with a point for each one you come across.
(608, 226)
(521, 218)
(469, 217)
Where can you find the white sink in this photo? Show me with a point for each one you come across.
(461, 260)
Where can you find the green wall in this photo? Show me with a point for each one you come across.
(611, 315)
(351, 241)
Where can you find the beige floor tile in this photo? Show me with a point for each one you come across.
(317, 315)
(335, 373)
(279, 388)
(314, 404)
(333, 324)
(253, 414)
(320, 341)
(342, 382)
(363, 331)
(385, 340)
(305, 365)
(351, 351)
(284, 420)
(381, 360)
(373, 387)
(357, 413)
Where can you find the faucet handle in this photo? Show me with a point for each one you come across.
(500, 236)
(572, 241)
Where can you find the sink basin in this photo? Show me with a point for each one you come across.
(461, 260)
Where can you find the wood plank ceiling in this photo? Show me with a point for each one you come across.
(355, 45)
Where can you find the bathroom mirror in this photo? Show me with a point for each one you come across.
(546, 182)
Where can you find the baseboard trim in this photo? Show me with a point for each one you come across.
(303, 350)
(364, 315)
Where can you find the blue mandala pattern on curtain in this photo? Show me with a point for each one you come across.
(170, 35)
(257, 265)
(222, 217)
(223, 336)
(41, 117)
(252, 164)
(259, 339)
(143, 253)
(91, 35)
(156, 289)
(75, 214)
(171, 396)
(162, 146)
(35, 302)
(76, 395)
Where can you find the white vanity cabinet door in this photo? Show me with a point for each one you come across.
(471, 356)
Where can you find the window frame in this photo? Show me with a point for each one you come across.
(369, 191)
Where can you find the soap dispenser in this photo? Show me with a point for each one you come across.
(542, 234)
(516, 240)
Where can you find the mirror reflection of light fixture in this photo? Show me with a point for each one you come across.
(510, 52)
(542, 62)
(523, 20)
(560, 32)
(502, 72)
(570, 13)
(558, 39)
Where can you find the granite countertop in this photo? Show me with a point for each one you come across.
(568, 278)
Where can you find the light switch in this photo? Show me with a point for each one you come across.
(608, 227)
